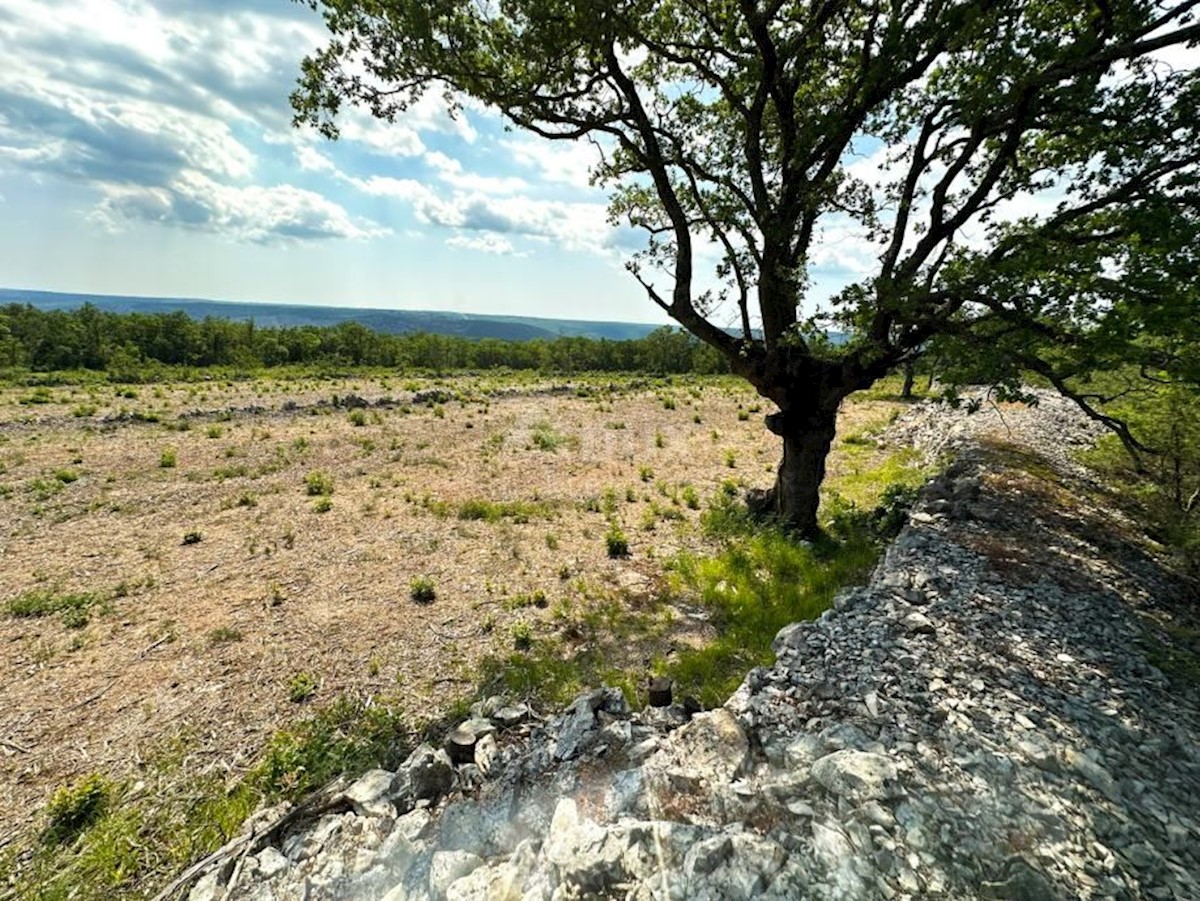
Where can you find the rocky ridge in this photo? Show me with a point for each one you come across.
(979, 721)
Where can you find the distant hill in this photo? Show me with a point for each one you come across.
(394, 322)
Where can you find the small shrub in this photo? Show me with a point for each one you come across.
(616, 542)
(645, 473)
(730, 459)
(214, 431)
(659, 440)
(522, 636)
(66, 476)
(357, 418)
(743, 415)
(691, 497)
(318, 484)
(422, 590)
(74, 809)
(323, 504)
(224, 635)
(302, 687)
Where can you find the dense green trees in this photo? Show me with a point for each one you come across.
(1042, 158)
(125, 344)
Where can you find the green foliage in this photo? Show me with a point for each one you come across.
(348, 737)
(546, 437)
(72, 606)
(422, 590)
(139, 347)
(73, 809)
(494, 511)
(168, 459)
(1166, 419)
(615, 541)
(762, 580)
(301, 687)
(318, 484)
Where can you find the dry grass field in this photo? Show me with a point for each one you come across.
(199, 565)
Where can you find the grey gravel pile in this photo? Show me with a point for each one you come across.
(980, 721)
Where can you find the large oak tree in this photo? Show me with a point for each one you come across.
(1038, 186)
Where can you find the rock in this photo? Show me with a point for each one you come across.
(918, 624)
(427, 774)
(485, 753)
(711, 749)
(511, 717)
(1021, 883)
(446, 867)
(367, 793)
(271, 863)
(857, 776)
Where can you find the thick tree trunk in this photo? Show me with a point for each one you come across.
(807, 439)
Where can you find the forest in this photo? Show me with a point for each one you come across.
(132, 347)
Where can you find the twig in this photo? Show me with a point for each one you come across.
(450, 636)
(96, 697)
(161, 641)
(196, 869)
(8, 743)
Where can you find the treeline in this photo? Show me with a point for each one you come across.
(125, 344)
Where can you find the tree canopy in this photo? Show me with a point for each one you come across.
(1034, 199)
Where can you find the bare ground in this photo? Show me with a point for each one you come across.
(201, 641)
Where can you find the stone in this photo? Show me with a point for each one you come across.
(368, 793)
(427, 774)
(857, 776)
(510, 717)
(446, 867)
(918, 624)
(271, 863)
(486, 750)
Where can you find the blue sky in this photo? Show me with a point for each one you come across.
(146, 148)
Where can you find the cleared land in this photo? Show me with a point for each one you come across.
(195, 566)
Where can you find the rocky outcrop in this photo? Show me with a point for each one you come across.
(979, 721)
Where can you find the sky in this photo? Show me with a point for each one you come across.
(146, 148)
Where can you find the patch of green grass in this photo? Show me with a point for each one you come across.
(224, 635)
(478, 509)
(66, 476)
(762, 580)
(168, 459)
(121, 841)
(545, 437)
(323, 504)
(72, 606)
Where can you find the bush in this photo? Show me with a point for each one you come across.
(616, 542)
(74, 809)
(318, 484)
(422, 590)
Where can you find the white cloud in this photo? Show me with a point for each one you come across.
(555, 161)
(451, 172)
(263, 215)
(485, 243)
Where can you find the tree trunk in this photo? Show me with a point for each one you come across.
(910, 376)
(807, 439)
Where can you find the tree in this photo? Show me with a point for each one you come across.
(733, 123)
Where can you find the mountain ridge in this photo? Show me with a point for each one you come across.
(396, 322)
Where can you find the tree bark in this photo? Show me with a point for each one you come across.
(807, 439)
